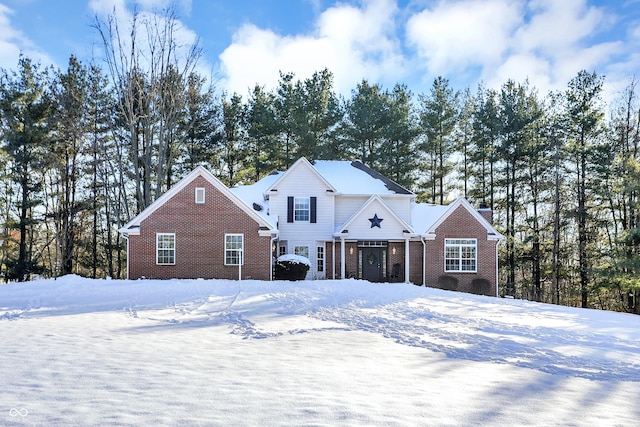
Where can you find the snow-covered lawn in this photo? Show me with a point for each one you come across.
(79, 352)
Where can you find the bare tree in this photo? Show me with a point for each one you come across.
(149, 68)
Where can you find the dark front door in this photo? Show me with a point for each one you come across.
(373, 263)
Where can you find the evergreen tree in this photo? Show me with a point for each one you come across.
(367, 120)
(263, 153)
(585, 131)
(438, 117)
(399, 160)
(518, 111)
(25, 109)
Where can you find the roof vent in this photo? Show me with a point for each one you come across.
(257, 207)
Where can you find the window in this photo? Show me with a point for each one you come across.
(165, 248)
(302, 251)
(320, 259)
(460, 255)
(301, 209)
(199, 195)
(233, 249)
(283, 250)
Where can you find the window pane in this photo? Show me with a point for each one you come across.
(302, 251)
(165, 248)
(233, 254)
(301, 209)
(460, 254)
(320, 259)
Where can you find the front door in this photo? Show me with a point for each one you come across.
(373, 263)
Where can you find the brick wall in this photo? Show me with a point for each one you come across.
(199, 230)
(461, 224)
(396, 258)
(351, 259)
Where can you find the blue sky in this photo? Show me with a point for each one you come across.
(384, 41)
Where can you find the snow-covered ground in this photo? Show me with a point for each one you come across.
(208, 352)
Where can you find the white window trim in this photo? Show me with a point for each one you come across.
(450, 243)
(200, 191)
(158, 235)
(241, 250)
(308, 210)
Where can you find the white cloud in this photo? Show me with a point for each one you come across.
(560, 33)
(13, 43)
(353, 43)
(546, 41)
(557, 25)
(521, 67)
(461, 34)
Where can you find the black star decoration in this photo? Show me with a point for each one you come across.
(375, 221)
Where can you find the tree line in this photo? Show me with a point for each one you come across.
(85, 149)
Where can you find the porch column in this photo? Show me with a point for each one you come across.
(342, 258)
(406, 260)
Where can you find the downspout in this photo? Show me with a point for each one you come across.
(273, 239)
(424, 261)
(407, 268)
(342, 258)
(497, 294)
(126, 237)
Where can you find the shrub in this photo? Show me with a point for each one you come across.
(292, 267)
(448, 283)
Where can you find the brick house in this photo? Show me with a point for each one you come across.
(347, 219)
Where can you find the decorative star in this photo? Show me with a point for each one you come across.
(375, 221)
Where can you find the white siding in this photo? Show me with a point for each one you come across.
(401, 206)
(347, 206)
(303, 182)
(390, 228)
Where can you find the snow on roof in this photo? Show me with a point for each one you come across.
(253, 195)
(355, 178)
(345, 176)
(423, 216)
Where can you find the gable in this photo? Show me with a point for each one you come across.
(461, 215)
(199, 176)
(299, 178)
(375, 220)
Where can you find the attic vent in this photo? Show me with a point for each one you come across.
(199, 195)
(257, 207)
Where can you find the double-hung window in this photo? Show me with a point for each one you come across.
(301, 209)
(233, 249)
(460, 255)
(165, 248)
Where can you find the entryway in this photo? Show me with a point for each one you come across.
(372, 261)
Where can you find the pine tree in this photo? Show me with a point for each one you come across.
(25, 109)
(438, 117)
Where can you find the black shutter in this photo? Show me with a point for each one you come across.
(289, 209)
(313, 203)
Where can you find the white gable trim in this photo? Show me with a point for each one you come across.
(301, 162)
(492, 234)
(340, 231)
(133, 226)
